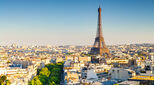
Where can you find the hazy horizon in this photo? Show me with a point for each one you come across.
(74, 22)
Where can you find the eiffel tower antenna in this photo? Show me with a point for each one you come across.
(100, 3)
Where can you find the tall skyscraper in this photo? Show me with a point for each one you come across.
(99, 47)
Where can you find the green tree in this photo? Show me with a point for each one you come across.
(55, 79)
(45, 72)
(3, 78)
(43, 78)
(56, 70)
(50, 66)
(35, 81)
(8, 82)
(49, 75)
(52, 83)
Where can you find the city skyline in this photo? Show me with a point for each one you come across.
(74, 22)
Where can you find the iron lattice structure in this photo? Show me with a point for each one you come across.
(99, 47)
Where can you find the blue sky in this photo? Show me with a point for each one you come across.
(74, 22)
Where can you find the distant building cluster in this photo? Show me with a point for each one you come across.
(20, 63)
(129, 65)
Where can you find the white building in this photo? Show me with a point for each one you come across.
(121, 74)
(91, 76)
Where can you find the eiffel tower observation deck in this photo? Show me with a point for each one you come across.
(99, 47)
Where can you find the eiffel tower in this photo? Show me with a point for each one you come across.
(99, 47)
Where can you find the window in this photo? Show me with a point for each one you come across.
(113, 70)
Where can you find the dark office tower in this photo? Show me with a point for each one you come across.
(99, 47)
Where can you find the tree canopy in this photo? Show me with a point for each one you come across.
(4, 81)
(49, 75)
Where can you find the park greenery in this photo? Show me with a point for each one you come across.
(49, 75)
(4, 81)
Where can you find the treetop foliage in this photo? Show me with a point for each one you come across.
(49, 75)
